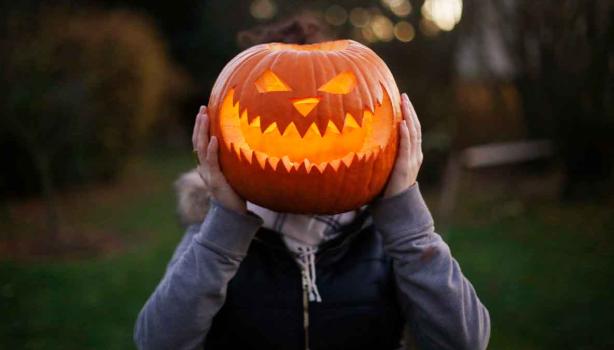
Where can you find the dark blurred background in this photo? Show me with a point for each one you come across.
(97, 101)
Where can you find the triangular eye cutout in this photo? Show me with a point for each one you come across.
(341, 84)
(269, 82)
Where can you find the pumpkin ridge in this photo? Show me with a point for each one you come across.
(323, 122)
(260, 57)
(374, 76)
(369, 103)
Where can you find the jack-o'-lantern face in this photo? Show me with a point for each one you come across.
(295, 118)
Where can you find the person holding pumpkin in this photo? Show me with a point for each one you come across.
(271, 274)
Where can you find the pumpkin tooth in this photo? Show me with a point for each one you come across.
(296, 166)
(270, 128)
(374, 153)
(332, 128)
(261, 158)
(312, 131)
(264, 123)
(247, 154)
(370, 106)
(235, 149)
(255, 123)
(322, 126)
(228, 144)
(273, 162)
(308, 164)
(241, 110)
(290, 131)
(321, 167)
(368, 155)
(350, 123)
(287, 163)
(335, 164)
(243, 118)
(348, 159)
(367, 119)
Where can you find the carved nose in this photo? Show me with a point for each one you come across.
(305, 105)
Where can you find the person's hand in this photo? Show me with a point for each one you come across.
(209, 167)
(409, 157)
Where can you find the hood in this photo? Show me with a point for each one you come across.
(192, 198)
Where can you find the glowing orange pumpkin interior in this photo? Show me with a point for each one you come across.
(315, 147)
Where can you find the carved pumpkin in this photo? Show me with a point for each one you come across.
(306, 128)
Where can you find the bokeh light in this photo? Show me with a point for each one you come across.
(401, 8)
(359, 17)
(263, 9)
(382, 27)
(445, 14)
(428, 27)
(404, 31)
(336, 15)
(368, 35)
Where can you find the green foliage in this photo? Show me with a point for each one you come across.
(80, 90)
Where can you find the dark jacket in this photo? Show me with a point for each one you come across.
(264, 302)
(232, 284)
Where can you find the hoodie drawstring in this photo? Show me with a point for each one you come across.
(307, 262)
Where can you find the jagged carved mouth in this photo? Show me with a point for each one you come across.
(314, 148)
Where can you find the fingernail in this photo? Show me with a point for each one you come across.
(202, 109)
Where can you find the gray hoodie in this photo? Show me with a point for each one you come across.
(436, 298)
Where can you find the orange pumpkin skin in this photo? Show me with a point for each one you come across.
(308, 129)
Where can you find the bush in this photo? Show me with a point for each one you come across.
(79, 91)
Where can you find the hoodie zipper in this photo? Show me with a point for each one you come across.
(305, 287)
(304, 282)
(305, 308)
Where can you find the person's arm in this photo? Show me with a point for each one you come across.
(439, 303)
(178, 314)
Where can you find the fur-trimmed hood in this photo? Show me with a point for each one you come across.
(192, 198)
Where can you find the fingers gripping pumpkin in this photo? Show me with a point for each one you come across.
(306, 128)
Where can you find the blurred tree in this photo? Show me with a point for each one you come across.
(558, 55)
(78, 91)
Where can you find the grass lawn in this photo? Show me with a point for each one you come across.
(545, 272)
(92, 303)
(546, 287)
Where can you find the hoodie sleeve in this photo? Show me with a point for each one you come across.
(179, 313)
(439, 303)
